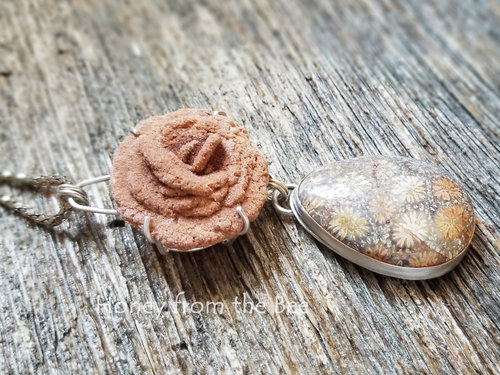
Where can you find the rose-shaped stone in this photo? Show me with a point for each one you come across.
(188, 171)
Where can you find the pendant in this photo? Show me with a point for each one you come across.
(191, 179)
(396, 216)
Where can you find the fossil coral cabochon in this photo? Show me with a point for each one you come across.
(397, 216)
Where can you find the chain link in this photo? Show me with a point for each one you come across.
(58, 186)
(279, 194)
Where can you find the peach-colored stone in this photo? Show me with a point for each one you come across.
(189, 170)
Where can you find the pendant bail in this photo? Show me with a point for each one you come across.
(84, 206)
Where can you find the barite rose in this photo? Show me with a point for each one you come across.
(188, 171)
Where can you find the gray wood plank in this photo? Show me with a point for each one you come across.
(313, 82)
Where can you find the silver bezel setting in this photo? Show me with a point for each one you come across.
(362, 260)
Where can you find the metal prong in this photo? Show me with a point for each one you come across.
(134, 131)
(146, 229)
(244, 230)
(219, 113)
(246, 221)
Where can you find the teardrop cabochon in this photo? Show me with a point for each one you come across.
(396, 216)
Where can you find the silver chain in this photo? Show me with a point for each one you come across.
(58, 186)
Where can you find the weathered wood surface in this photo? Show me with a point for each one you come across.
(313, 82)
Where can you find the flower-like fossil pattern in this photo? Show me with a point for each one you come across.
(188, 171)
(397, 210)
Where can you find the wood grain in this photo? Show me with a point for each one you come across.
(312, 82)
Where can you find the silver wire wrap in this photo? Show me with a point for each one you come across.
(73, 201)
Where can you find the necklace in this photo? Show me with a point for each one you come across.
(191, 179)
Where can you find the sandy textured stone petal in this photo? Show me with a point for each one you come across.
(189, 170)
